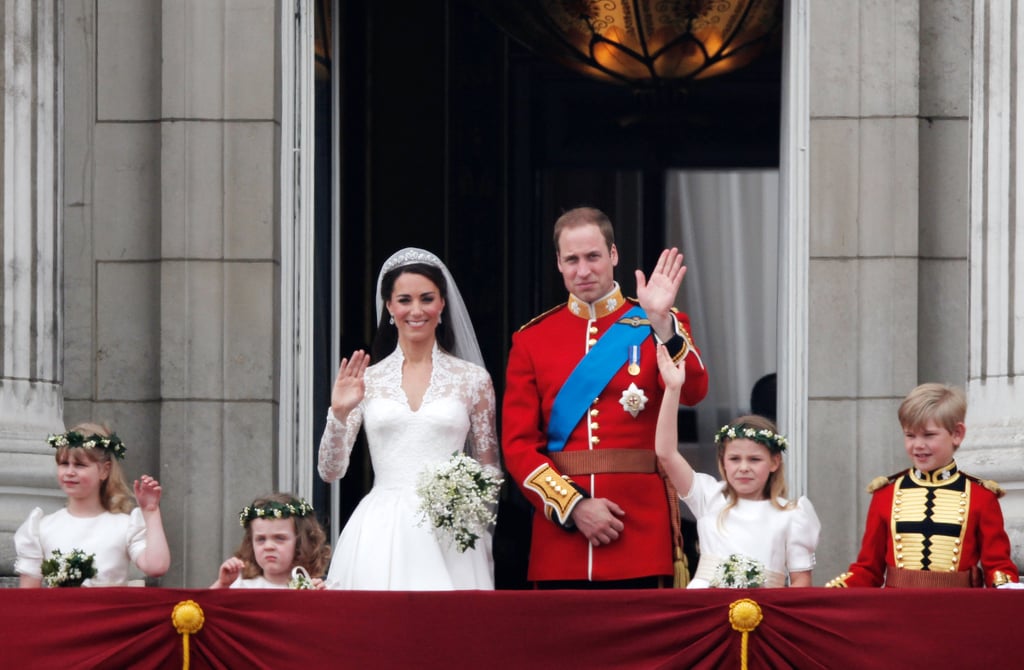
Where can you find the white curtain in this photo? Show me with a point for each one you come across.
(727, 225)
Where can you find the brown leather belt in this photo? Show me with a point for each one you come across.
(898, 578)
(604, 461)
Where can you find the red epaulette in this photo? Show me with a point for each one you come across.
(542, 316)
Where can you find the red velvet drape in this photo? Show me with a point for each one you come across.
(801, 628)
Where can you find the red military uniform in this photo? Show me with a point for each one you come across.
(543, 354)
(944, 522)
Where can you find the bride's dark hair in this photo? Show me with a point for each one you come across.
(386, 339)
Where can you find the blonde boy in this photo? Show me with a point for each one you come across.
(933, 525)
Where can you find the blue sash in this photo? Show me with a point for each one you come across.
(591, 375)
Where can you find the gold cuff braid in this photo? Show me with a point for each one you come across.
(557, 492)
(999, 578)
(839, 582)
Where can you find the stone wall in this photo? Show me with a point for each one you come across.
(171, 253)
(864, 264)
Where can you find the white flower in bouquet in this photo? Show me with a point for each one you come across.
(739, 572)
(69, 569)
(458, 499)
(300, 579)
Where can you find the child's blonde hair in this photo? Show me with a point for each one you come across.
(944, 404)
(775, 487)
(115, 494)
(311, 549)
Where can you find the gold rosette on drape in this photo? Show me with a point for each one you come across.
(188, 619)
(744, 615)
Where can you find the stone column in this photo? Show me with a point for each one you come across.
(218, 273)
(30, 372)
(994, 447)
(863, 242)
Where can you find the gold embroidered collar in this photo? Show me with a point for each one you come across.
(941, 476)
(600, 308)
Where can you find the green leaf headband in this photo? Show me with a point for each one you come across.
(75, 440)
(773, 441)
(274, 510)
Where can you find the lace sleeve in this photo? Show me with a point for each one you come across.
(483, 438)
(336, 444)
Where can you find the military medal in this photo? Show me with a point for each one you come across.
(634, 360)
(633, 400)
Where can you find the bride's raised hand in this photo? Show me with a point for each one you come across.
(348, 386)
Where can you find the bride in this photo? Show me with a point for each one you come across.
(426, 397)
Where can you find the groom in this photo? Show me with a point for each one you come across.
(581, 401)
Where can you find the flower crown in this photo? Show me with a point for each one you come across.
(73, 439)
(773, 441)
(274, 510)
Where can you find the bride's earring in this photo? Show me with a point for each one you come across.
(439, 319)
(392, 320)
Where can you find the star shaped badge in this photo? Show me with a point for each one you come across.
(633, 400)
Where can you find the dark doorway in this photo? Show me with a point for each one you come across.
(457, 139)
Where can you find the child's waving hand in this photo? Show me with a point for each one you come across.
(674, 375)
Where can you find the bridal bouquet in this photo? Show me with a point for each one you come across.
(458, 499)
(739, 572)
(68, 569)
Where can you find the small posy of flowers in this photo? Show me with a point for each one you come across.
(776, 443)
(739, 572)
(75, 439)
(458, 499)
(69, 569)
(300, 579)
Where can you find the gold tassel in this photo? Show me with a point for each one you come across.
(188, 619)
(681, 570)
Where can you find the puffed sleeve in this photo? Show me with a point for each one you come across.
(803, 537)
(483, 437)
(135, 538)
(702, 490)
(336, 444)
(29, 546)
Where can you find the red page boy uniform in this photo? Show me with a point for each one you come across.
(597, 440)
(932, 529)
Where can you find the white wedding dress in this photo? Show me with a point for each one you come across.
(384, 545)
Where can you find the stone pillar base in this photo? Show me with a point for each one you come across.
(994, 449)
(29, 412)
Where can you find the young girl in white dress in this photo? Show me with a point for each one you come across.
(284, 547)
(750, 535)
(426, 398)
(100, 517)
